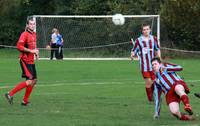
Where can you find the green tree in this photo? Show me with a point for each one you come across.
(182, 23)
(179, 18)
(89, 7)
(9, 21)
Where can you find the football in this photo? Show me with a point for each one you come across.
(118, 19)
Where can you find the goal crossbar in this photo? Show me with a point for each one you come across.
(92, 16)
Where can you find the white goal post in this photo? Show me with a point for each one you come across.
(93, 36)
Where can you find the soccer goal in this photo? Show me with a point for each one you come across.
(93, 37)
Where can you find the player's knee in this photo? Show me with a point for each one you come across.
(31, 82)
(34, 82)
(179, 89)
(148, 83)
(28, 82)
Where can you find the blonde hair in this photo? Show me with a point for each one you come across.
(54, 30)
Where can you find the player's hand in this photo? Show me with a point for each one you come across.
(37, 57)
(36, 52)
(162, 69)
(132, 55)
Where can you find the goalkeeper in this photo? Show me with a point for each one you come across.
(59, 43)
(174, 88)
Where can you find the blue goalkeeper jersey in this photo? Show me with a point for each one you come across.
(59, 40)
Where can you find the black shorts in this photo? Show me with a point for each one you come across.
(28, 70)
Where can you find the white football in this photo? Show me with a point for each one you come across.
(118, 19)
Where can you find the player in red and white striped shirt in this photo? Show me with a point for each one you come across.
(146, 46)
(174, 88)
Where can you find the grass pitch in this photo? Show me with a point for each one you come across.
(89, 93)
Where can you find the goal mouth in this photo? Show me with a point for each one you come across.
(92, 36)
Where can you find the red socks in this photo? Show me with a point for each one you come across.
(27, 93)
(149, 92)
(185, 117)
(17, 88)
(185, 99)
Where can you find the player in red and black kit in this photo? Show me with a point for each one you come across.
(27, 47)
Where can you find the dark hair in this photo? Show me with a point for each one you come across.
(145, 24)
(156, 59)
(27, 22)
(29, 19)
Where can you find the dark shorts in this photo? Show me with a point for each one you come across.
(28, 70)
(171, 96)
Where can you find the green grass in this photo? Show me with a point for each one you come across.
(13, 53)
(89, 93)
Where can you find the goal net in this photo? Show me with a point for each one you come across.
(93, 36)
(90, 37)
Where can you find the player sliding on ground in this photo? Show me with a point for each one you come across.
(147, 47)
(174, 88)
(27, 47)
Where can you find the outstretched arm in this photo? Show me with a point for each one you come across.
(173, 67)
(135, 48)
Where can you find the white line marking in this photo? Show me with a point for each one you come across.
(65, 83)
(62, 83)
(192, 81)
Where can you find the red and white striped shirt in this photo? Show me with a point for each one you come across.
(146, 50)
(166, 77)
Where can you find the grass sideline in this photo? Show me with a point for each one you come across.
(89, 93)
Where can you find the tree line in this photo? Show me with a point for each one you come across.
(179, 18)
